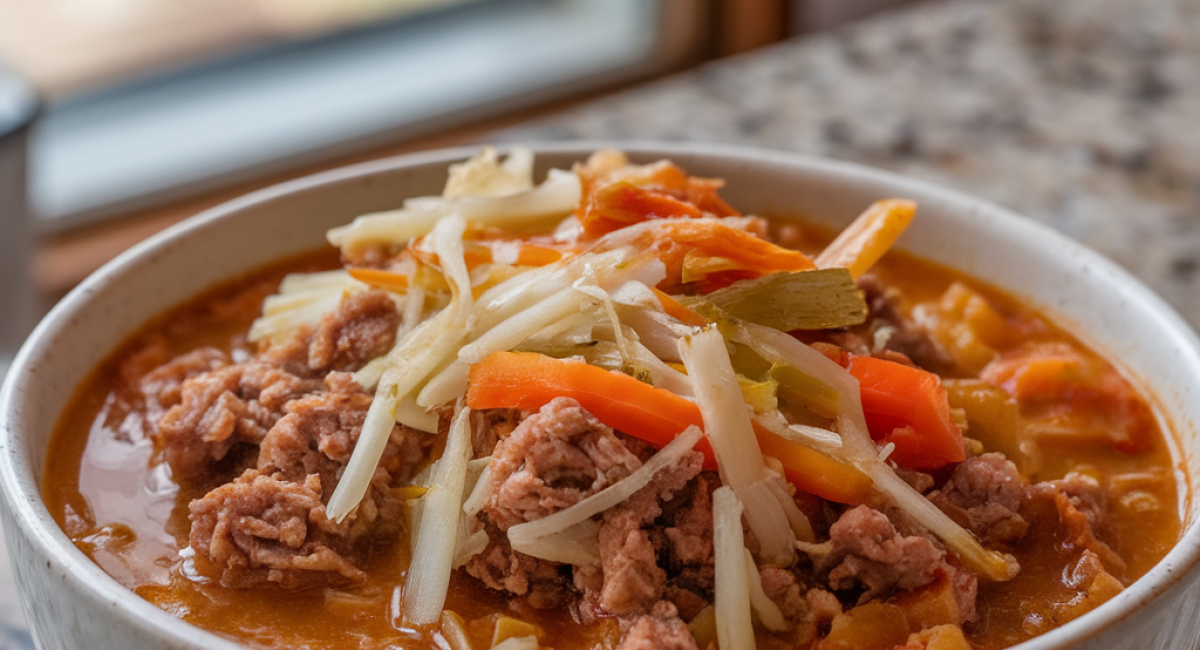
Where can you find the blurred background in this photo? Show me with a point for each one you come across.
(153, 109)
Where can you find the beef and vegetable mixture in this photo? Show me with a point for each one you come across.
(609, 411)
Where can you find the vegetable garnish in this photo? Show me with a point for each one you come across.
(652, 227)
(907, 407)
(863, 242)
(435, 541)
(529, 381)
(802, 300)
(694, 249)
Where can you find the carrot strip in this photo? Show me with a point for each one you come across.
(381, 279)
(738, 254)
(624, 204)
(908, 406)
(528, 381)
(534, 255)
(865, 240)
(676, 310)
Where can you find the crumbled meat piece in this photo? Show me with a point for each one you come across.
(691, 534)
(918, 480)
(808, 612)
(965, 587)
(554, 459)
(781, 586)
(261, 528)
(864, 550)
(633, 580)
(491, 426)
(984, 494)
(1081, 505)
(363, 327)
(822, 605)
(897, 331)
(503, 569)
(660, 630)
(221, 408)
(163, 386)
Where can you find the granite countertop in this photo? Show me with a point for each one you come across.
(1084, 115)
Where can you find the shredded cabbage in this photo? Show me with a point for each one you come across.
(732, 592)
(437, 537)
(739, 458)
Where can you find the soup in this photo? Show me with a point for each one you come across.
(654, 423)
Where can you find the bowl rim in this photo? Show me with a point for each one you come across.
(30, 513)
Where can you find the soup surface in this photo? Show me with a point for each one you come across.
(209, 464)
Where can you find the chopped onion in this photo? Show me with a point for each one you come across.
(437, 536)
(522, 535)
(468, 546)
(826, 442)
(767, 611)
(656, 330)
(728, 427)
(732, 592)
(454, 630)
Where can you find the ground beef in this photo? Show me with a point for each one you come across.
(1080, 503)
(544, 583)
(984, 495)
(270, 524)
(221, 408)
(660, 630)
(808, 611)
(865, 552)
(684, 545)
(263, 528)
(490, 426)
(295, 418)
(163, 386)
(629, 559)
(891, 330)
(552, 460)
(363, 327)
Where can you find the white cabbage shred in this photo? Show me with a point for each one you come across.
(732, 592)
(436, 539)
(739, 458)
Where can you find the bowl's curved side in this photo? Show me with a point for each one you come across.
(72, 603)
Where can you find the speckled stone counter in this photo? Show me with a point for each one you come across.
(1083, 114)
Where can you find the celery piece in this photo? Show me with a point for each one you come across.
(802, 300)
(798, 388)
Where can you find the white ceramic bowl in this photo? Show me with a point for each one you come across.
(71, 603)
